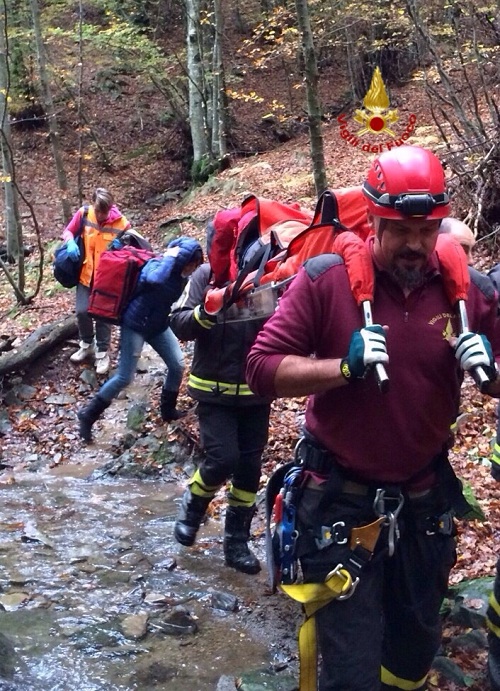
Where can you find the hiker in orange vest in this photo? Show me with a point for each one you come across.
(379, 459)
(102, 222)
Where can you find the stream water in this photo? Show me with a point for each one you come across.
(78, 556)
(95, 594)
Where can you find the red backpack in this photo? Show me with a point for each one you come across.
(115, 281)
(278, 239)
(243, 235)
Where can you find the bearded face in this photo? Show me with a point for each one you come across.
(404, 248)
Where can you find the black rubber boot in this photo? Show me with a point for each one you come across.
(236, 536)
(190, 517)
(167, 406)
(88, 415)
(494, 661)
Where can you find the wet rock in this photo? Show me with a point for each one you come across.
(451, 672)
(153, 674)
(178, 623)
(472, 641)
(113, 577)
(57, 458)
(24, 392)
(128, 440)
(87, 568)
(143, 365)
(136, 416)
(135, 626)
(18, 579)
(89, 377)
(168, 564)
(119, 533)
(133, 469)
(68, 630)
(224, 601)
(110, 468)
(80, 554)
(156, 599)
(164, 454)
(256, 681)
(12, 601)
(8, 658)
(11, 398)
(5, 425)
(471, 603)
(60, 399)
(124, 650)
(32, 534)
(133, 559)
(26, 414)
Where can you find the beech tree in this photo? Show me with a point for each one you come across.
(206, 83)
(13, 229)
(314, 110)
(197, 109)
(50, 112)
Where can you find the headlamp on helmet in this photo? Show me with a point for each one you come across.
(407, 182)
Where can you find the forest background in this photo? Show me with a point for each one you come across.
(181, 108)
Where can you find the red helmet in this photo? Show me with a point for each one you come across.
(407, 182)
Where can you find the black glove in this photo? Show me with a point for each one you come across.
(203, 318)
(367, 348)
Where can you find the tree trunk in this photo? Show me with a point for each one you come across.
(41, 341)
(14, 233)
(219, 119)
(50, 111)
(197, 115)
(314, 110)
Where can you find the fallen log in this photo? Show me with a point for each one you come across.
(38, 343)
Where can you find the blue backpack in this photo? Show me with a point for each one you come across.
(65, 269)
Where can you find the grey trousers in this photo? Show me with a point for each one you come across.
(86, 322)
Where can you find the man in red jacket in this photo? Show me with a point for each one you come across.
(369, 455)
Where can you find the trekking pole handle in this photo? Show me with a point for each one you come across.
(478, 374)
(380, 371)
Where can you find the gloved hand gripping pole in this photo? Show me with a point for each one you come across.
(380, 371)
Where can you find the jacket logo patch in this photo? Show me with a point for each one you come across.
(448, 328)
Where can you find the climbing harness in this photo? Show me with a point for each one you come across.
(285, 544)
(285, 535)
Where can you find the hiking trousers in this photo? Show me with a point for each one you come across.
(233, 438)
(390, 628)
(493, 623)
(131, 344)
(86, 322)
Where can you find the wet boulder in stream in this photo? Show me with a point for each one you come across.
(8, 658)
(178, 622)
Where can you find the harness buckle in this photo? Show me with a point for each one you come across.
(441, 524)
(335, 534)
(337, 571)
(381, 510)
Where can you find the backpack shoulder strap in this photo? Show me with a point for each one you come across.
(82, 221)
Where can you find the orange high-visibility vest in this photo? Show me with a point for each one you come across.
(96, 238)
